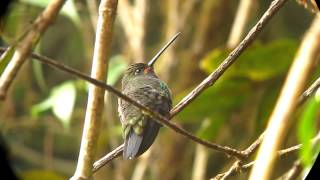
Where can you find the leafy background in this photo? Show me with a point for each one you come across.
(42, 117)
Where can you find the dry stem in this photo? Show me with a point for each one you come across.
(107, 11)
(280, 118)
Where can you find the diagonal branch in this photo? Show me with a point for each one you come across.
(214, 76)
(156, 116)
(274, 7)
(24, 47)
(107, 158)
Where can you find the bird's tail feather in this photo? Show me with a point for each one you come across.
(135, 144)
(132, 145)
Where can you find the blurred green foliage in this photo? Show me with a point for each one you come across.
(307, 129)
(5, 58)
(61, 101)
(259, 62)
(45, 102)
(41, 175)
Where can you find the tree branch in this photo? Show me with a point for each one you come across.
(24, 47)
(156, 116)
(287, 102)
(107, 158)
(214, 76)
(115, 153)
(102, 49)
(274, 7)
(239, 167)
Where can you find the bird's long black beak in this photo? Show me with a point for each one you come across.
(153, 60)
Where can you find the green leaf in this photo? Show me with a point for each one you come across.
(223, 98)
(61, 101)
(259, 62)
(64, 97)
(37, 109)
(266, 103)
(307, 130)
(117, 66)
(317, 95)
(5, 58)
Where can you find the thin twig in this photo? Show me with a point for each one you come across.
(156, 116)
(253, 147)
(239, 167)
(213, 77)
(205, 84)
(246, 153)
(309, 91)
(24, 47)
(297, 167)
(107, 158)
(294, 172)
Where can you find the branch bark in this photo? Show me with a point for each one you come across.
(26, 45)
(214, 76)
(157, 117)
(279, 121)
(239, 167)
(117, 152)
(274, 7)
(102, 48)
(107, 158)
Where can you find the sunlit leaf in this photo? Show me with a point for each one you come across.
(307, 130)
(5, 58)
(61, 101)
(259, 62)
(317, 95)
(64, 97)
(45, 105)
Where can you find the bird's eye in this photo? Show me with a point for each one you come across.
(137, 71)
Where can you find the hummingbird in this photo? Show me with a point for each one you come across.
(141, 83)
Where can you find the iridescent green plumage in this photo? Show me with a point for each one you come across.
(142, 85)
